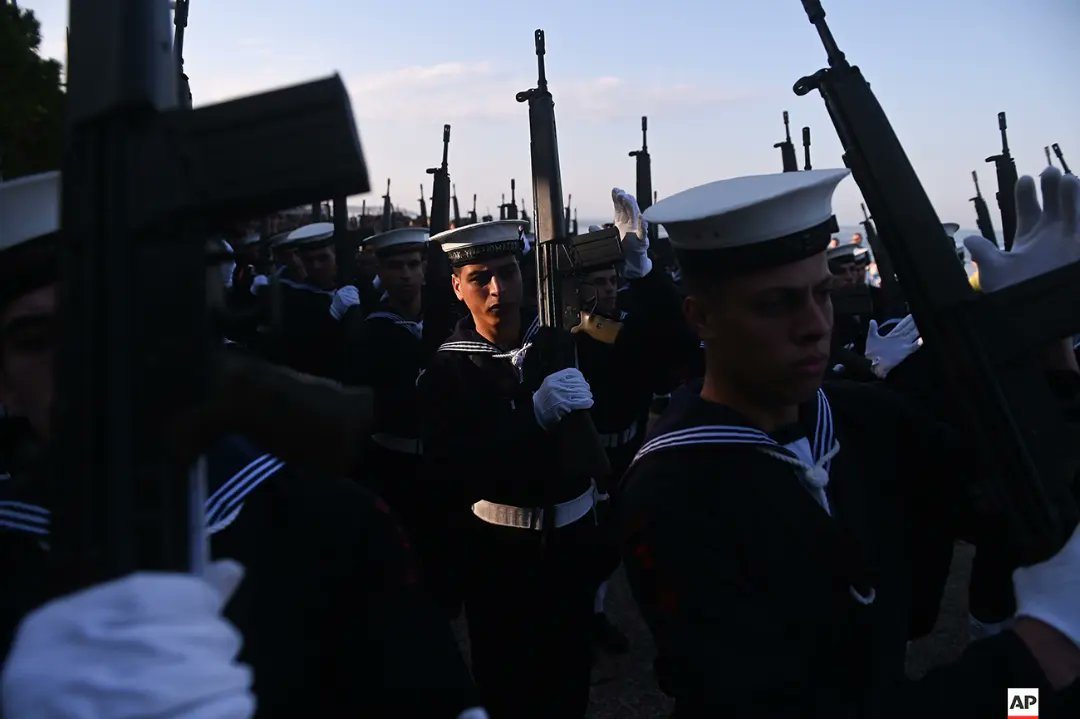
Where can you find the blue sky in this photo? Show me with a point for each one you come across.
(712, 75)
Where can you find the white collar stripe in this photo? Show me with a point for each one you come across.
(20, 527)
(23, 506)
(240, 492)
(226, 487)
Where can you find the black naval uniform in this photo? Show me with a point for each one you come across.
(528, 600)
(387, 352)
(763, 603)
(332, 615)
(310, 337)
(652, 346)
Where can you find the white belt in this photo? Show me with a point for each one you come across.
(506, 515)
(405, 445)
(615, 440)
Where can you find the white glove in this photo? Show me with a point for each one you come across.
(887, 352)
(634, 233)
(149, 645)
(1050, 591)
(1046, 238)
(344, 298)
(560, 394)
(259, 281)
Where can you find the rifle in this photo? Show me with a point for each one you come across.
(472, 212)
(437, 293)
(344, 251)
(890, 287)
(511, 207)
(387, 210)
(457, 210)
(1006, 177)
(569, 225)
(982, 213)
(575, 227)
(144, 183)
(423, 207)
(558, 301)
(787, 149)
(986, 345)
(1061, 159)
(645, 196)
(806, 147)
(180, 20)
(502, 207)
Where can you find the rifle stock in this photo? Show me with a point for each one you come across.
(1022, 442)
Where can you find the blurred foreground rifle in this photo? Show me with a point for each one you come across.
(144, 184)
(787, 148)
(982, 212)
(1006, 177)
(558, 259)
(986, 345)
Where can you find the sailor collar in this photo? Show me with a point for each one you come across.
(305, 286)
(469, 341)
(693, 422)
(232, 460)
(385, 313)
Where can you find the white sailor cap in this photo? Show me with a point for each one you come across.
(750, 223)
(402, 239)
(29, 208)
(481, 241)
(29, 232)
(951, 228)
(847, 254)
(313, 236)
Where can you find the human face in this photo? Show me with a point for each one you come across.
(767, 333)
(848, 275)
(402, 276)
(290, 260)
(491, 290)
(606, 285)
(321, 267)
(27, 343)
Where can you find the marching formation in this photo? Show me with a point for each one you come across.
(271, 484)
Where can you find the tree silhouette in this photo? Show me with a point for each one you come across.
(31, 113)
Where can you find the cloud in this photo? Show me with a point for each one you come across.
(479, 91)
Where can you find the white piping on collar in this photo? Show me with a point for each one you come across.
(25, 517)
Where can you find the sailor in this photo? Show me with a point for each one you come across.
(286, 260)
(784, 541)
(853, 308)
(627, 356)
(330, 577)
(386, 350)
(311, 311)
(531, 564)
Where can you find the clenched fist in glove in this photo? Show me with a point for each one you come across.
(148, 646)
(1047, 237)
(344, 298)
(560, 394)
(886, 352)
(634, 233)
